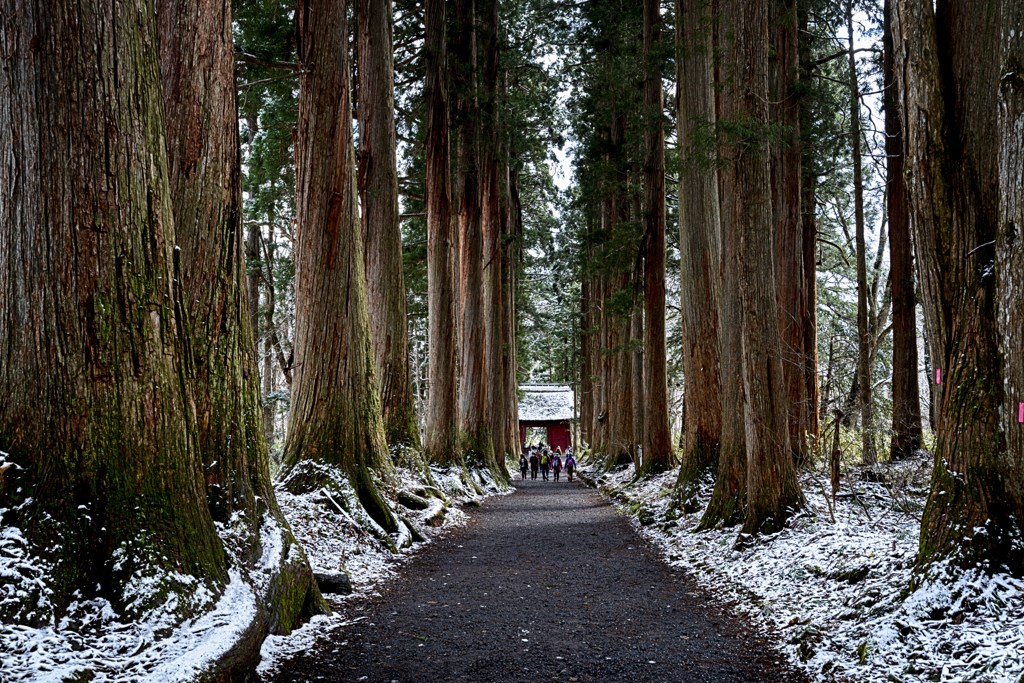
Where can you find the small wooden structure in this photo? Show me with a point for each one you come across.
(550, 406)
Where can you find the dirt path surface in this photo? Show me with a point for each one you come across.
(547, 584)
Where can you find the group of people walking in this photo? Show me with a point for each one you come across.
(540, 458)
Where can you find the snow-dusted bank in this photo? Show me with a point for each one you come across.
(92, 642)
(833, 586)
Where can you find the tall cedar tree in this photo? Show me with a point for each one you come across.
(950, 111)
(808, 227)
(101, 457)
(906, 398)
(335, 419)
(773, 493)
(699, 254)
(474, 425)
(494, 225)
(1010, 249)
(620, 444)
(198, 75)
(789, 253)
(378, 192)
(512, 253)
(864, 332)
(441, 444)
(657, 435)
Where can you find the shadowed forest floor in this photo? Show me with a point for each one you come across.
(547, 584)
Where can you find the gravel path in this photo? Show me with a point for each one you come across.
(547, 584)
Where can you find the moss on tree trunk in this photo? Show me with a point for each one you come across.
(97, 415)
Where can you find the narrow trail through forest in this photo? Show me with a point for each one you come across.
(547, 584)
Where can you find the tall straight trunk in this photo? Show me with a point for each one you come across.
(97, 431)
(496, 405)
(786, 197)
(773, 493)
(700, 250)
(441, 444)
(864, 380)
(513, 255)
(809, 235)
(950, 108)
(335, 419)
(198, 75)
(657, 441)
(621, 439)
(1010, 247)
(906, 399)
(474, 425)
(727, 506)
(378, 192)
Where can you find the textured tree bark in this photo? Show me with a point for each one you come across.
(198, 75)
(335, 419)
(864, 365)
(103, 468)
(441, 444)
(378, 192)
(786, 197)
(657, 435)
(700, 250)
(513, 257)
(773, 493)
(474, 426)
(1010, 249)
(809, 240)
(906, 398)
(950, 113)
(496, 405)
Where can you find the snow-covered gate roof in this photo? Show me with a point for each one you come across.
(545, 403)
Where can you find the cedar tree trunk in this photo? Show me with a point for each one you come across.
(198, 74)
(786, 196)
(949, 105)
(101, 466)
(378, 192)
(441, 443)
(906, 399)
(335, 419)
(773, 493)
(699, 246)
(657, 433)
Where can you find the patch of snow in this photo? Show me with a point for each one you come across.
(832, 587)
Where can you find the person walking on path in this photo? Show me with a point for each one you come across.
(534, 465)
(570, 464)
(523, 465)
(556, 466)
(545, 465)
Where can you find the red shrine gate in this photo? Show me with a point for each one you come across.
(551, 406)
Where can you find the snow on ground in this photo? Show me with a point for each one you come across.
(92, 642)
(833, 585)
(335, 542)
